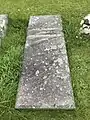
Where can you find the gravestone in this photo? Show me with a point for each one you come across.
(3, 25)
(45, 79)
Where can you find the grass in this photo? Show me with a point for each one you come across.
(11, 53)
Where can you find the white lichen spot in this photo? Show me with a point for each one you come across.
(26, 67)
(53, 53)
(63, 103)
(55, 22)
(53, 47)
(39, 102)
(67, 68)
(57, 85)
(37, 73)
(39, 53)
(27, 45)
(33, 107)
(54, 81)
(46, 63)
(50, 68)
(61, 89)
(45, 69)
(44, 77)
(53, 75)
(41, 88)
(27, 89)
(36, 18)
(26, 79)
(55, 98)
(25, 102)
(32, 91)
(42, 61)
(56, 18)
(35, 64)
(53, 64)
(25, 85)
(46, 58)
(47, 49)
(56, 67)
(53, 57)
(45, 82)
(57, 71)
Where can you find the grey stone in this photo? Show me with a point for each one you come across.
(3, 25)
(42, 22)
(45, 79)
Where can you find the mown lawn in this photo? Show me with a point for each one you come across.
(11, 53)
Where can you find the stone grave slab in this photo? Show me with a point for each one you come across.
(3, 25)
(45, 79)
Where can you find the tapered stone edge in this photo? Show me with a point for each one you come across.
(72, 106)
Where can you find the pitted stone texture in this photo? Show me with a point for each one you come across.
(45, 80)
(42, 22)
(3, 26)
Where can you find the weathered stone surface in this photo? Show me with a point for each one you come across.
(45, 80)
(3, 26)
(42, 22)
